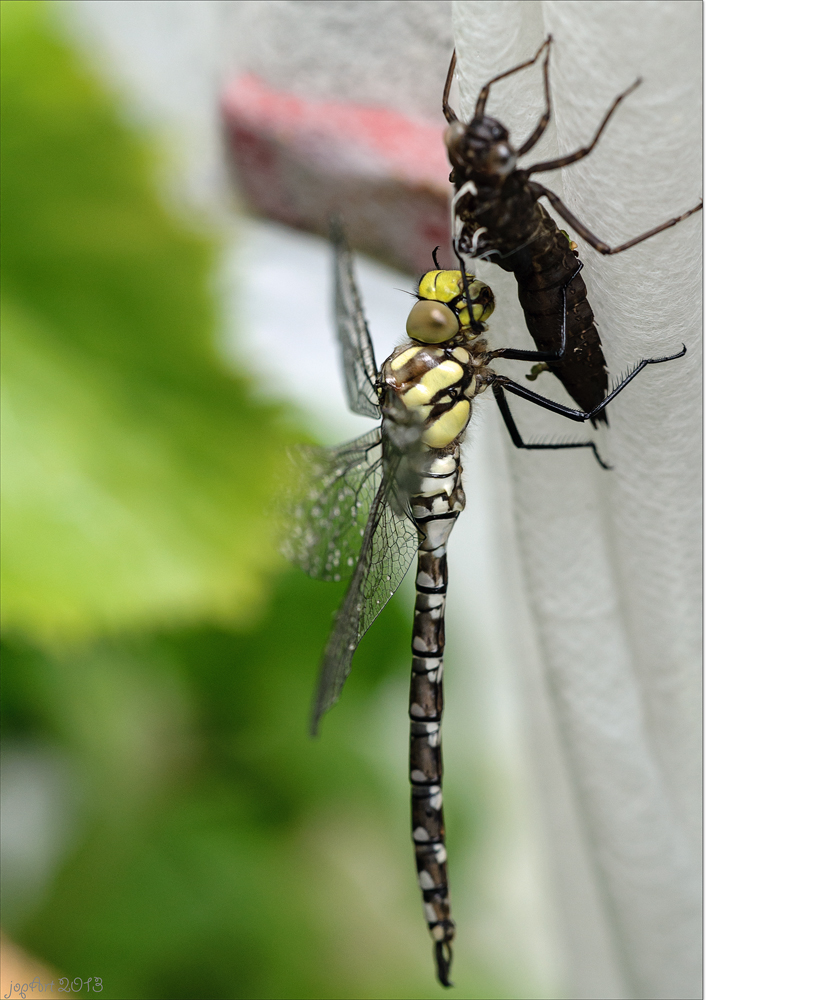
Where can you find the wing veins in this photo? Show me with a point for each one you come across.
(389, 544)
(359, 366)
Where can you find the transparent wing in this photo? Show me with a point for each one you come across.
(389, 544)
(359, 367)
(330, 506)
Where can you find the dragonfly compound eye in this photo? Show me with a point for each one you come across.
(501, 159)
(431, 323)
(454, 134)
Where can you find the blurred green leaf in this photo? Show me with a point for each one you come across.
(223, 852)
(136, 470)
(211, 849)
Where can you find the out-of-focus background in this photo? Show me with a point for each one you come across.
(168, 826)
(169, 829)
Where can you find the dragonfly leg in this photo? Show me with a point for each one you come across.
(478, 111)
(447, 110)
(544, 121)
(515, 436)
(450, 114)
(501, 383)
(593, 240)
(579, 154)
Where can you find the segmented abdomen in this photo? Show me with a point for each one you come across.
(435, 512)
(434, 385)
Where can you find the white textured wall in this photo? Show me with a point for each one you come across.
(607, 564)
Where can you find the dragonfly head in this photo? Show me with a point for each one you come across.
(481, 148)
(442, 312)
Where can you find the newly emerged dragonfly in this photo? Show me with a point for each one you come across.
(498, 217)
(368, 507)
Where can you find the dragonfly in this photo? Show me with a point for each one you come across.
(498, 216)
(365, 509)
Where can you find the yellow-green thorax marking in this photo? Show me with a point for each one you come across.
(441, 370)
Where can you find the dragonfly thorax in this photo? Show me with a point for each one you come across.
(435, 385)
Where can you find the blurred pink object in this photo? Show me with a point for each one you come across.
(298, 161)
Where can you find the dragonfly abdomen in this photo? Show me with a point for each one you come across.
(582, 371)
(368, 506)
(546, 270)
(435, 513)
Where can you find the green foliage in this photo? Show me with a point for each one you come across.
(216, 850)
(136, 471)
(210, 861)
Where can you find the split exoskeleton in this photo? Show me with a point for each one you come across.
(498, 216)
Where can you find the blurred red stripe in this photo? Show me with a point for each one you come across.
(298, 160)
